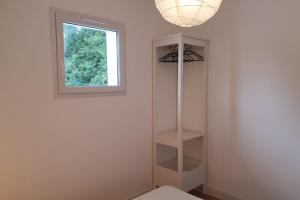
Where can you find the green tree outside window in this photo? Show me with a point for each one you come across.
(85, 56)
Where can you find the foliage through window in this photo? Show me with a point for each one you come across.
(89, 51)
(85, 56)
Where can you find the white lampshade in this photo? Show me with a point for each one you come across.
(187, 13)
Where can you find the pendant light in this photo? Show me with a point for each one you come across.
(187, 13)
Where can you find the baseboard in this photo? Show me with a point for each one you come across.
(221, 195)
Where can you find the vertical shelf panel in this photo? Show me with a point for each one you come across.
(179, 110)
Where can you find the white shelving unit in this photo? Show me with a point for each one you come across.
(179, 112)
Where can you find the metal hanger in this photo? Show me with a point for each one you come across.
(189, 55)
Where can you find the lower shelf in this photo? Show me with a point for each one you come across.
(167, 174)
(188, 164)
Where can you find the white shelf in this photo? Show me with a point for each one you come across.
(179, 102)
(170, 138)
(192, 177)
(188, 164)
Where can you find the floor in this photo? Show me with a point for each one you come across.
(199, 194)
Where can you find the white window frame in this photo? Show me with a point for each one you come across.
(58, 17)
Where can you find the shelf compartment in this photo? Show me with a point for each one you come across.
(193, 178)
(170, 138)
(188, 164)
(166, 173)
(164, 176)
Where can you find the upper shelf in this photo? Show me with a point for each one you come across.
(179, 38)
(170, 138)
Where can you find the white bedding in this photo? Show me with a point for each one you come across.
(167, 193)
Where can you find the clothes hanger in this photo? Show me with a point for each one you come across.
(189, 55)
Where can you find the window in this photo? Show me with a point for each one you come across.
(90, 53)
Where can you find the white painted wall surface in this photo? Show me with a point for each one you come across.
(71, 148)
(63, 149)
(254, 99)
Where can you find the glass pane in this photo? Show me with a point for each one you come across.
(90, 56)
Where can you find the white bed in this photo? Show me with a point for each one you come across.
(167, 193)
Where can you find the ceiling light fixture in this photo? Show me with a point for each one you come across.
(187, 13)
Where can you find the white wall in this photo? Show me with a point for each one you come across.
(254, 100)
(54, 149)
(71, 148)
